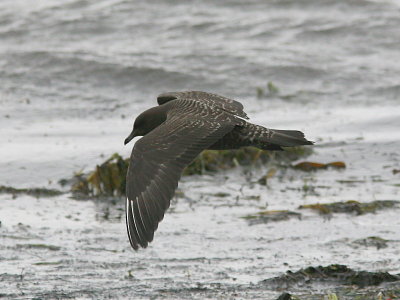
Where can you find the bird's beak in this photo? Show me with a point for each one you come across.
(130, 137)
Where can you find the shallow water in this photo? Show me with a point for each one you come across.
(74, 74)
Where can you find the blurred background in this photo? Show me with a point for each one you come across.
(73, 76)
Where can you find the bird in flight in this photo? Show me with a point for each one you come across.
(174, 133)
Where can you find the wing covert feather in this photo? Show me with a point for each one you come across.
(213, 100)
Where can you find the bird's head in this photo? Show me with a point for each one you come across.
(146, 122)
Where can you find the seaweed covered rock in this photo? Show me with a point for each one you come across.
(335, 274)
(108, 179)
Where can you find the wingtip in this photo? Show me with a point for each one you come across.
(138, 236)
(130, 226)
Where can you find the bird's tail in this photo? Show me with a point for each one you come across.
(275, 139)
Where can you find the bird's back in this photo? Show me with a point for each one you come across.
(213, 101)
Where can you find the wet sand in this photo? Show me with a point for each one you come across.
(74, 75)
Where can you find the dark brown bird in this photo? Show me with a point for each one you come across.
(174, 133)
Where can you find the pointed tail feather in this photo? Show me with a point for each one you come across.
(267, 139)
(288, 138)
(275, 139)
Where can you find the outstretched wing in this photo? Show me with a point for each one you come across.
(228, 105)
(158, 160)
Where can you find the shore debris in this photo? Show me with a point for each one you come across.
(35, 192)
(38, 246)
(267, 216)
(264, 180)
(351, 206)
(308, 166)
(215, 160)
(371, 241)
(285, 296)
(108, 179)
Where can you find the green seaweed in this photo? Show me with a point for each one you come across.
(221, 195)
(39, 246)
(332, 296)
(260, 92)
(272, 88)
(108, 179)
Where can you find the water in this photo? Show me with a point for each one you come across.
(73, 76)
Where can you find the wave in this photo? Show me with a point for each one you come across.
(82, 67)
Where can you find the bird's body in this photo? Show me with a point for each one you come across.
(174, 133)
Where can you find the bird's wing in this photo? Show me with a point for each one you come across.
(228, 105)
(157, 162)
